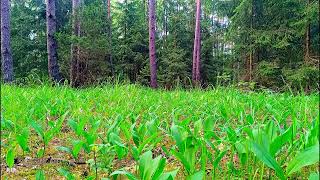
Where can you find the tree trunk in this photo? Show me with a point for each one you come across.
(75, 81)
(165, 24)
(152, 47)
(53, 66)
(196, 48)
(7, 62)
(110, 36)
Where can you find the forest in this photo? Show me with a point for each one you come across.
(251, 43)
(160, 89)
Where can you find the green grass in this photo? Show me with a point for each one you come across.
(220, 133)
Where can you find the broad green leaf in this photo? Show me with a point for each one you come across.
(249, 119)
(135, 152)
(147, 165)
(22, 139)
(197, 127)
(169, 175)
(65, 149)
(208, 124)
(160, 167)
(232, 135)
(37, 127)
(10, 158)
(183, 160)
(40, 153)
(40, 175)
(66, 174)
(152, 139)
(7, 124)
(314, 176)
(74, 126)
(177, 137)
(77, 145)
(279, 141)
(129, 175)
(115, 139)
(196, 176)
(304, 158)
(218, 158)
(262, 154)
(204, 157)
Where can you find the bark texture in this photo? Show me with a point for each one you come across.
(75, 54)
(196, 47)
(152, 48)
(7, 62)
(53, 66)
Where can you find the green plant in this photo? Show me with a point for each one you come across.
(40, 175)
(187, 149)
(48, 133)
(66, 174)
(213, 133)
(149, 168)
(74, 150)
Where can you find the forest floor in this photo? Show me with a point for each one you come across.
(97, 133)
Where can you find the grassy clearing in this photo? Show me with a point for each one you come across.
(147, 134)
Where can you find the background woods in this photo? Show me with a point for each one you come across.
(260, 43)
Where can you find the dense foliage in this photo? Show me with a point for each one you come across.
(257, 41)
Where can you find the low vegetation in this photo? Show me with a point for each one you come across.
(132, 132)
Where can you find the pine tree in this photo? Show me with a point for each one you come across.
(152, 45)
(7, 62)
(53, 66)
(197, 44)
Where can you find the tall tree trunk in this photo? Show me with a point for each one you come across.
(7, 62)
(110, 36)
(75, 81)
(53, 66)
(196, 48)
(152, 46)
